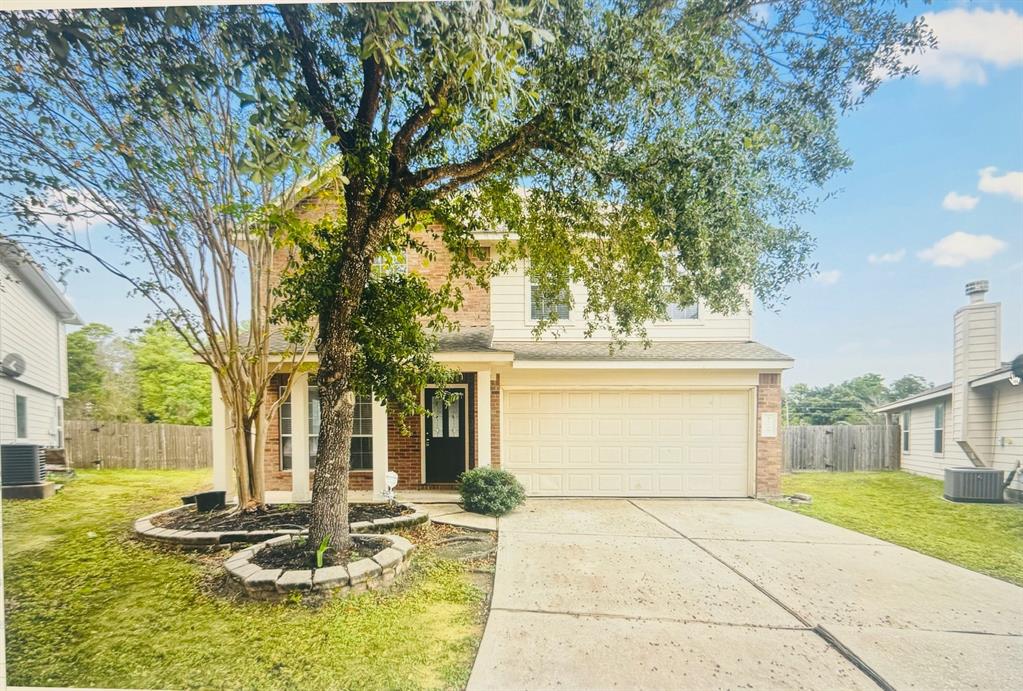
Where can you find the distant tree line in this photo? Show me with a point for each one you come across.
(852, 402)
(149, 376)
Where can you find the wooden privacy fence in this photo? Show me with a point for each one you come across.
(137, 445)
(841, 447)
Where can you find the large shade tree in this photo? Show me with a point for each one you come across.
(124, 139)
(655, 151)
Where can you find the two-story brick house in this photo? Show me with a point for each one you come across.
(694, 415)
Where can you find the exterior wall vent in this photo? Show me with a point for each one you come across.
(974, 484)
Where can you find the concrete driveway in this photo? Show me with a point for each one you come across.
(616, 593)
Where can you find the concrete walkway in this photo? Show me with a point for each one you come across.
(600, 594)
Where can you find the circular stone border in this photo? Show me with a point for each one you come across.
(145, 529)
(368, 573)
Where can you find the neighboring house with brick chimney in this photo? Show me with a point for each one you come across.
(694, 415)
(975, 419)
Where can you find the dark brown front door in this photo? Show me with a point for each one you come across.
(446, 436)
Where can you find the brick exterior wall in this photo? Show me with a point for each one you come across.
(403, 451)
(769, 450)
(475, 310)
(495, 421)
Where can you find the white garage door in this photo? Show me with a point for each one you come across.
(620, 442)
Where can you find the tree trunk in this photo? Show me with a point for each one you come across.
(248, 437)
(336, 349)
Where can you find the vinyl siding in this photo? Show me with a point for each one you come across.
(1007, 428)
(920, 458)
(41, 408)
(30, 328)
(996, 410)
(509, 311)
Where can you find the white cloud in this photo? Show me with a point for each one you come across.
(961, 248)
(1010, 182)
(67, 210)
(954, 201)
(969, 43)
(887, 257)
(828, 278)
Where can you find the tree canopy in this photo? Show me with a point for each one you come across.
(153, 377)
(653, 151)
(853, 401)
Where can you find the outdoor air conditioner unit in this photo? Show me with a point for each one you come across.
(22, 464)
(974, 484)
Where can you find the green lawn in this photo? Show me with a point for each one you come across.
(910, 511)
(87, 605)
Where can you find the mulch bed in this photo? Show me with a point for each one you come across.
(301, 555)
(273, 517)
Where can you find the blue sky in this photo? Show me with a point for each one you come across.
(914, 142)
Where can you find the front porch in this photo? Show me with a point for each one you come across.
(428, 458)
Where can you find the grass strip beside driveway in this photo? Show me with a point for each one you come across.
(909, 510)
(88, 605)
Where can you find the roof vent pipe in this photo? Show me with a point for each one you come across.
(976, 290)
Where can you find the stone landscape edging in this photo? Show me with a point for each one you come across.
(145, 529)
(369, 573)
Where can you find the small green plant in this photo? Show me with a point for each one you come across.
(490, 491)
(321, 550)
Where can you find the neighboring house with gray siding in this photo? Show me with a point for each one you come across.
(978, 414)
(33, 315)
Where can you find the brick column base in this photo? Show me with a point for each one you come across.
(769, 449)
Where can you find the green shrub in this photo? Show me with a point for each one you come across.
(490, 491)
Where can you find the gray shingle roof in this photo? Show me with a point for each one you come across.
(658, 350)
(469, 339)
(479, 339)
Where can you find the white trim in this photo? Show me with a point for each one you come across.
(471, 356)
(986, 379)
(754, 436)
(934, 420)
(222, 465)
(761, 365)
(910, 402)
(439, 356)
(530, 321)
(300, 436)
(695, 386)
(483, 418)
(379, 423)
(422, 426)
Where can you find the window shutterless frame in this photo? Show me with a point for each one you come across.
(905, 431)
(21, 416)
(939, 429)
(541, 309)
(361, 457)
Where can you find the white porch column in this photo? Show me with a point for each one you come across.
(300, 436)
(223, 466)
(483, 418)
(379, 447)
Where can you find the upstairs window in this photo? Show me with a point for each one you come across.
(939, 428)
(391, 263)
(683, 312)
(905, 431)
(543, 309)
